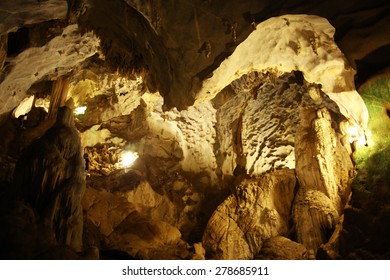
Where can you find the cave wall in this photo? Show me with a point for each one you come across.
(256, 157)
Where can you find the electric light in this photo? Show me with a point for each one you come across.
(80, 110)
(128, 158)
(357, 135)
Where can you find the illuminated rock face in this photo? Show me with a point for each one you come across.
(262, 153)
(280, 122)
(257, 210)
(256, 128)
(52, 60)
(281, 248)
(324, 169)
(288, 43)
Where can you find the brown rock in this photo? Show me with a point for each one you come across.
(49, 176)
(323, 168)
(3, 49)
(105, 210)
(281, 248)
(146, 239)
(258, 210)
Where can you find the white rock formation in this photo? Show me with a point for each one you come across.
(55, 59)
(294, 42)
(188, 136)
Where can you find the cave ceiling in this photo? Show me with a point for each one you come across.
(175, 45)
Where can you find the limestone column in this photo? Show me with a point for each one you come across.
(59, 93)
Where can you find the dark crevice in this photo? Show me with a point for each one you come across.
(372, 64)
(18, 41)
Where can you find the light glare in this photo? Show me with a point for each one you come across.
(80, 110)
(361, 138)
(128, 158)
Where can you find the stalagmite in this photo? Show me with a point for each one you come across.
(324, 169)
(58, 96)
(50, 177)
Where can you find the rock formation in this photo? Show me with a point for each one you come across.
(258, 209)
(49, 176)
(213, 129)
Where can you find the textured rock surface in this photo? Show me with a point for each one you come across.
(15, 14)
(132, 222)
(324, 169)
(147, 239)
(114, 193)
(281, 248)
(105, 210)
(145, 34)
(49, 176)
(256, 128)
(55, 59)
(196, 50)
(258, 209)
(270, 93)
(294, 42)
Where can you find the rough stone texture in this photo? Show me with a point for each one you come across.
(132, 220)
(55, 59)
(114, 193)
(323, 169)
(189, 158)
(256, 128)
(294, 42)
(147, 239)
(110, 99)
(105, 210)
(258, 209)
(3, 50)
(49, 176)
(281, 248)
(330, 250)
(197, 125)
(196, 50)
(16, 13)
(178, 57)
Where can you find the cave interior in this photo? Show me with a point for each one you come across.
(194, 129)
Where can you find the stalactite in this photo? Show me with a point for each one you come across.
(59, 93)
